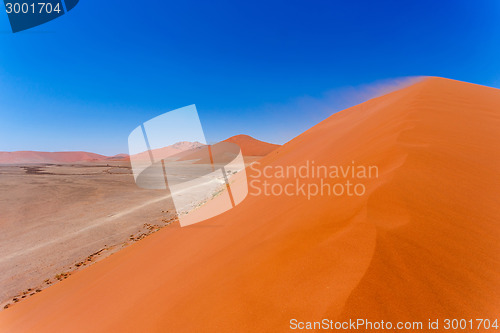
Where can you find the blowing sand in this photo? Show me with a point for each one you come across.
(422, 243)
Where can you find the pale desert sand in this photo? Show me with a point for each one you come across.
(55, 216)
(422, 243)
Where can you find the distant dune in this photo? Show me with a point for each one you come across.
(421, 243)
(119, 157)
(28, 157)
(252, 147)
(249, 147)
(168, 151)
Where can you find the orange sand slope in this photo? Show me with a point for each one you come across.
(423, 242)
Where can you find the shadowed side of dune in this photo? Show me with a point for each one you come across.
(421, 243)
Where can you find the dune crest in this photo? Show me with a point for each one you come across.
(421, 243)
(251, 146)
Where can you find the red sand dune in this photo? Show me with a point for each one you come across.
(422, 243)
(252, 147)
(21, 157)
(249, 147)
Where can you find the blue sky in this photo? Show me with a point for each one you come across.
(270, 69)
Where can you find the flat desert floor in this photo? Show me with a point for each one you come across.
(54, 217)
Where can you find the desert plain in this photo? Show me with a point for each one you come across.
(55, 215)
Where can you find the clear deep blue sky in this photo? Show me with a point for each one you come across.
(270, 69)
